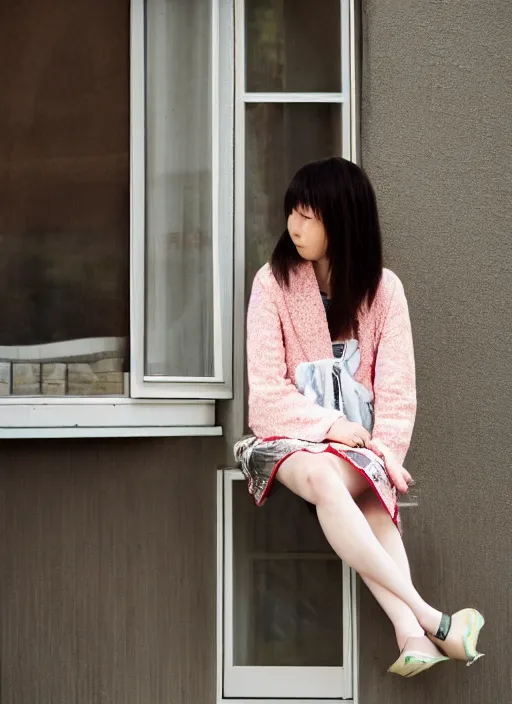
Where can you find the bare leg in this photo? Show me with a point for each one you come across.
(404, 621)
(330, 483)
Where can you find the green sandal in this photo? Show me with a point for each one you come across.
(412, 661)
(470, 623)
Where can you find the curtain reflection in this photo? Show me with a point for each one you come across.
(179, 312)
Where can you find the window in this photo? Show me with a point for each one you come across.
(64, 194)
(181, 198)
(286, 620)
(115, 217)
(286, 604)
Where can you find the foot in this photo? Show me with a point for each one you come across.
(458, 635)
(419, 654)
(422, 644)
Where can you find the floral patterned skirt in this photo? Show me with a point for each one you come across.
(260, 460)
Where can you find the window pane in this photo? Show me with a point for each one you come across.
(64, 196)
(288, 601)
(293, 46)
(179, 311)
(280, 139)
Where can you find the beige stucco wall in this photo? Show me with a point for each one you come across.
(436, 140)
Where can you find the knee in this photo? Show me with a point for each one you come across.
(323, 480)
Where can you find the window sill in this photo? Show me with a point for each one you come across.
(285, 701)
(105, 417)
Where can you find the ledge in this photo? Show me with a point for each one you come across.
(112, 432)
(106, 417)
(288, 700)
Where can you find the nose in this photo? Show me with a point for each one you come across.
(294, 224)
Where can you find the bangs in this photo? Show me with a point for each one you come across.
(303, 191)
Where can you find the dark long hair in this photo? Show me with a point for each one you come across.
(342, 197)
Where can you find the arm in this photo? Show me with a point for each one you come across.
(276, 407)
(394, 382)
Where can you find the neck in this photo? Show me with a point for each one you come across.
(323, 275)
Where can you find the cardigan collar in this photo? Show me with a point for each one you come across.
(305, 306)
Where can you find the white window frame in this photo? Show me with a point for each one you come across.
(218, 386)
(275, 685)
(234, 413)
(165, 406)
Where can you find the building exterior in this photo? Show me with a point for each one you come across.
(147, 145)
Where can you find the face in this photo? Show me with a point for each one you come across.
(308, 234)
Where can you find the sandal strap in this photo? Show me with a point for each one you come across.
(444, 627)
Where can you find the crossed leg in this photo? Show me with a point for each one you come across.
(363, 536)
(405, 623)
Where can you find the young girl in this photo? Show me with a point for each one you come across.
(332, 397)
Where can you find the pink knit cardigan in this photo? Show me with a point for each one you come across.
(287, 326)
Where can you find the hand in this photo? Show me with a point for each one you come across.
(348, 433)
(398, 474)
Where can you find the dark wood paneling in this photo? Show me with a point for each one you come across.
(108, 572)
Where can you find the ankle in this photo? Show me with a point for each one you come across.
(430, 620)
(403, 635)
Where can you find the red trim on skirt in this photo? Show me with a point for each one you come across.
(337, 453)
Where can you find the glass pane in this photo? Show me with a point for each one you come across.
(293, 46)
(280, 139)
(64, 197)
(179, 311)
(288, 586)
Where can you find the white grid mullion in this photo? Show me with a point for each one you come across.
(352, 71)
(346, 142)
(215, 134)
(348, 630)
(137, 191)
(295, 97)
(228, 654)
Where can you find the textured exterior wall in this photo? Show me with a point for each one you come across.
(436, 141)
(108, 568)
(107, 577)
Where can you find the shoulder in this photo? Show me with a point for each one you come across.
(265, 281)
(390, 288)
(390, 283)
(264, 276)
(389, 298)
(264, 288)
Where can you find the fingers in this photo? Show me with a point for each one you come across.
(361, 432)
(407, 477)
(352, 442)
(403, 479)
(359, 442)
(400, 477)
(399, 481)
(361, 436)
